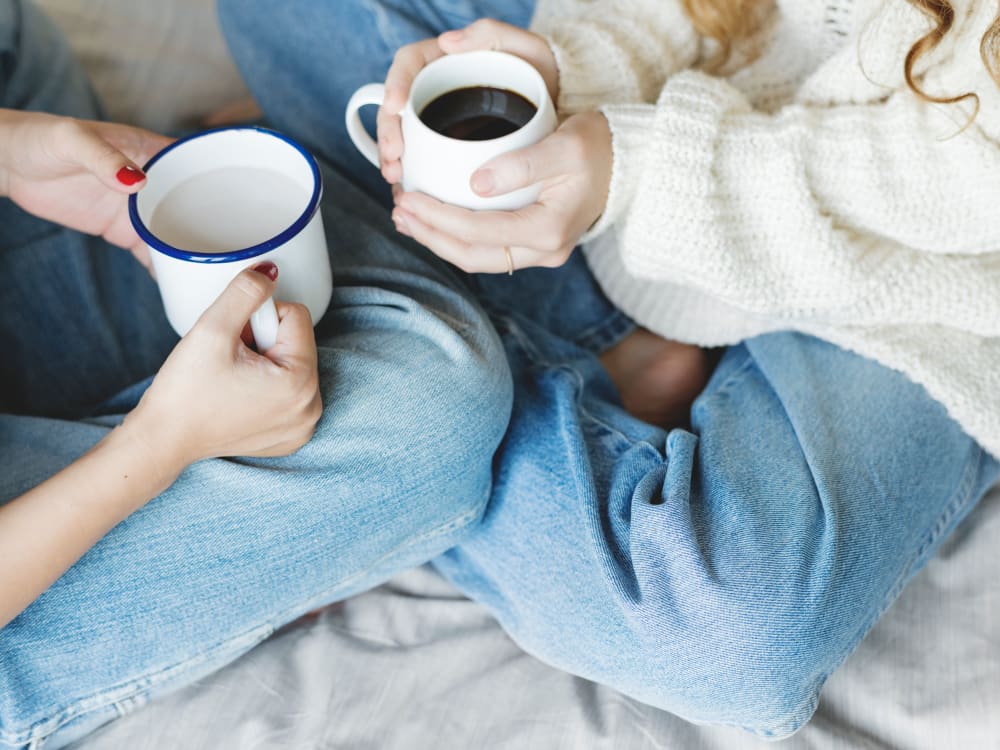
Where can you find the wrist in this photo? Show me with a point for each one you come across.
(627, 129)
(146, 445)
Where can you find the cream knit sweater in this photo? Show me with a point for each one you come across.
(808, 190)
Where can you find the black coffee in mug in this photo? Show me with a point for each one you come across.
(478, 113)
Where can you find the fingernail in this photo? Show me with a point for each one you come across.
(129, 175)
(267, 268)
(482, 181)
(454, 36)
(400, 221)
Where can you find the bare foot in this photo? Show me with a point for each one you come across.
(657, 379)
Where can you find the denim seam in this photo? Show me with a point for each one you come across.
(595, 340)
(529, 349)
(526, 345)
(586, 413)
(127, 691)
(603, 335)
(726, 385)
(538, 360)
(959, 500)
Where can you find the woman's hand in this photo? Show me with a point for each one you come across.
(76, 172)
(573, 166)
(411, 59)
(214, 396)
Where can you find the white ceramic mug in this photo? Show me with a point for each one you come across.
(235, 197)
(441, 166)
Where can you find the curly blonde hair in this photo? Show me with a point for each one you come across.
(728, 21)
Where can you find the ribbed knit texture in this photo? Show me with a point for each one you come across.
(808, 189)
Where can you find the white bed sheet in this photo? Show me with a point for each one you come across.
(413, 665)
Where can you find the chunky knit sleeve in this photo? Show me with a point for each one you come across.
(851, 214)
(616, 50)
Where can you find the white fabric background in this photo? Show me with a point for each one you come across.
(161, 64)
(414, 666)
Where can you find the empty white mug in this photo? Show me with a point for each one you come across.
(219, 201)
(441, 166)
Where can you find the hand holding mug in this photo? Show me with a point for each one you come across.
(573, 168)
(569, 170)
(222, 200)
(462, 110)
(214, 396)
(76, 172)
(485, 34)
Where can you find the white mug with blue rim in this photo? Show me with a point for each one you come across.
(219, 201)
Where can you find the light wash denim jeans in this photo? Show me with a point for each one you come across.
(720, 573)
(417, 394)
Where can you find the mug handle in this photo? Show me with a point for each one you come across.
(264, 324)
(372, 93)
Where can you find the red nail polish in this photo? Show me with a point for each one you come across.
(268, 269)
(129, 176)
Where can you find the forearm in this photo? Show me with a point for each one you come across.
(46, 530)
(855, 215)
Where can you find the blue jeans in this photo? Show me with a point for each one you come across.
(417, 394)
(721, 573)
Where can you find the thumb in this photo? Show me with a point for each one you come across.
(238, 301)
(107, 163)
(550, 157)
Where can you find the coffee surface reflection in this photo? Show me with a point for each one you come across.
(478, 113)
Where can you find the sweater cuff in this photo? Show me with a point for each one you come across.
(630, 134)
(673, 166)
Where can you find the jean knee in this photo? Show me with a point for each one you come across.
(466, 422)
(730, 631)
(416, 403)
(733, 671)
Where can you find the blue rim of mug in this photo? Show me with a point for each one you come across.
(247, 252)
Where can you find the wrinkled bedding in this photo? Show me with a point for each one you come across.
(413, 665)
